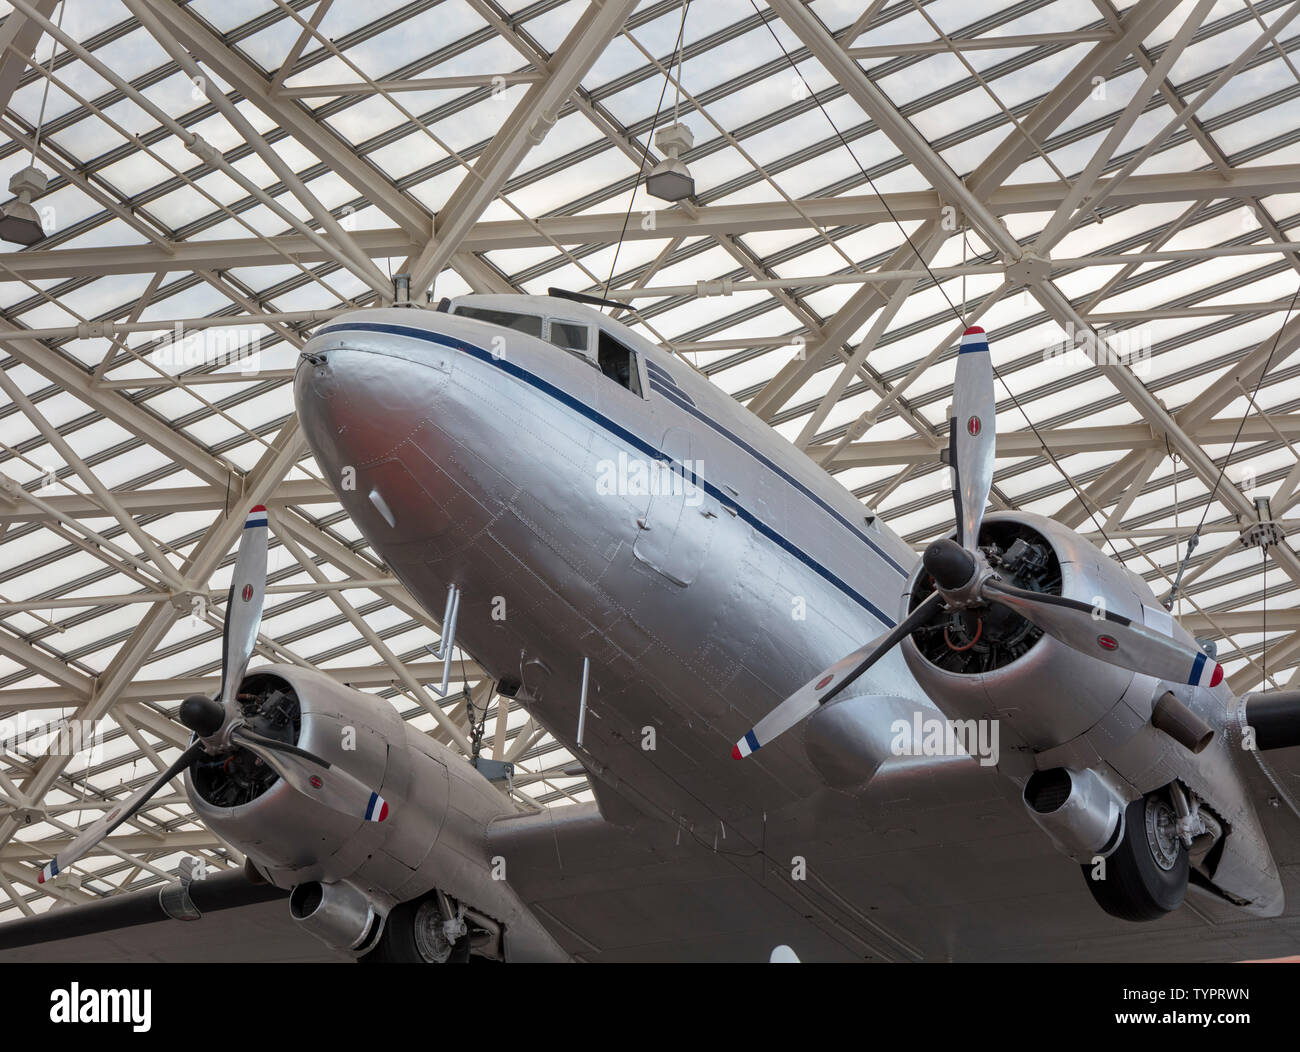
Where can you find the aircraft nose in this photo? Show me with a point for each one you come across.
(356, 405)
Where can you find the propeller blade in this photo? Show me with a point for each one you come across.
(244, 605)
(828, 684)
(972, 435)
(1111, 638)
(85, 841)
(315, 777)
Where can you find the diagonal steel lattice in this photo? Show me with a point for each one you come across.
(1128, 181)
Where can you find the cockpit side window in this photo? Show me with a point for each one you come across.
(618, 363)
(569, 335)
(530, 324)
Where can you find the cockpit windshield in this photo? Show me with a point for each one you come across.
(526, 323)
(599, 349)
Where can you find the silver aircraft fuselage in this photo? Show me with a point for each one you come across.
(706, 568)
(490, 459)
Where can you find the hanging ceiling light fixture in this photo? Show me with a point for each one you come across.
(20, 223)
(670, 179)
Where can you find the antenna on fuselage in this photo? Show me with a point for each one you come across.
(583, 297)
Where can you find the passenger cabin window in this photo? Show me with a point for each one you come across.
(526, 323)
(569, 336)
(618, 363)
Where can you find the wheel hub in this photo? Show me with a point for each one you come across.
(430, 938)
(1162, 833)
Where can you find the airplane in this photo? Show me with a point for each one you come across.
(669, 587)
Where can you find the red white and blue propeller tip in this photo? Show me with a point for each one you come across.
(377, 809)
(973, 339)
(1205, 672)
(256, 517)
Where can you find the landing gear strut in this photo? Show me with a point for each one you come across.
(1146, 876)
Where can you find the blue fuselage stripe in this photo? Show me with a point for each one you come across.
(804, 490)
(647, 448)
(673, 395)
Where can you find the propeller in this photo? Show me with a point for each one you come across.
(244, 606)
(827, 685)
(97, 830)
(963, 578)
(315, 777)
(218, 723)
(972, 435)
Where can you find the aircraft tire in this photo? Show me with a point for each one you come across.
(398, 943)
(1146, 876)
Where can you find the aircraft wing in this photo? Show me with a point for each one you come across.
(933, 862)
(240, 922)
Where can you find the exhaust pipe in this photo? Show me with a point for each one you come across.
(337, 914)
(1083, 816)
(1181, 723)
(1275, 718)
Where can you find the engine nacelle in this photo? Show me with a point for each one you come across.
(994, 664)
(434, 836)
(293, 839)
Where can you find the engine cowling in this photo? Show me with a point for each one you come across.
(292, 838)
(434, 836)
(993, 664)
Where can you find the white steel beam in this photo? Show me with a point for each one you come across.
(297, 120)
(968, 196)
(1245, 183)
(19, 37)
(989, 43)
(1065, 440)
(526, 126)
